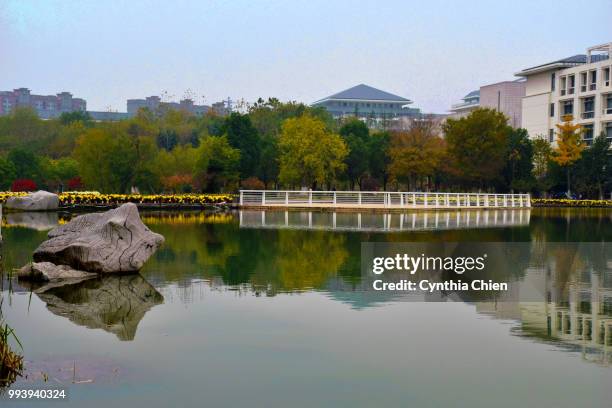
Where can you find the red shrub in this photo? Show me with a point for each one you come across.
(253, 183)
(23, 185)
(75, 183)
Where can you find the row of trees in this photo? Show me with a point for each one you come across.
(291, 145)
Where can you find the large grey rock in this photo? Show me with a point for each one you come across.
(38, 201)
(48, 272)
(109, 242)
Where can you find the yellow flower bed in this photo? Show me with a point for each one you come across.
(95, 198)
(6, 194)
(564, 202)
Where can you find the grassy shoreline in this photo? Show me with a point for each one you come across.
(83, 201)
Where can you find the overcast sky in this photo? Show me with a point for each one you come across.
(432, 52)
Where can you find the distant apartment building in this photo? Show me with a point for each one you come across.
(505, 97)
(155, 104)
(46, 106)
(369, 104)
(107, 116)
(578, 86)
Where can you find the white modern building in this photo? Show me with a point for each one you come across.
(502, 96)
(579, 86)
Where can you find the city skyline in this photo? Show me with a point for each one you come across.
(432, 55)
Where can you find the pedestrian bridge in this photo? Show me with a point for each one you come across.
(379, 200)
(383, 222)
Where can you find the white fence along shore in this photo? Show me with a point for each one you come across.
(380, 199)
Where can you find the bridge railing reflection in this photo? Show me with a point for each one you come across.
(381, 222)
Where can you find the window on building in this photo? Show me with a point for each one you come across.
(551, 135)
(567, 107)
(572, 84)
(588, 107)
(583, 82)
(606, 76)
(608, 131)
(563, 86)
(593, 81)
(587, 133)
(552, 110)
(553, 81)
(609, 104)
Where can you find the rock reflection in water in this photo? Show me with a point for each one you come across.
(39, 221)
(115, 304)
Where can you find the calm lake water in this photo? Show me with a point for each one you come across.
(267, 309)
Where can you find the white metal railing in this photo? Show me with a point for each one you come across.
(380, 199)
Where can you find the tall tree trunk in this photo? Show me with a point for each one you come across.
(567, 173)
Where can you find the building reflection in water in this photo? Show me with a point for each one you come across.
(575, 309)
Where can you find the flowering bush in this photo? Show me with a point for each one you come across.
(75, 183)
(23, 185)
(95, 198)
(564, 202)
(178, 182)
(76, 198)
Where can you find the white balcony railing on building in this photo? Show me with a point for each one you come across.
(380, 199)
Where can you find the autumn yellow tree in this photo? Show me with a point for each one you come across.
(310, 155)
(415, 154)
(569, 146)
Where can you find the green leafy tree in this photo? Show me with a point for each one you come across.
(167, 139)
(176, 165)
(242, 135)
(356, 135)
(63, 143)
(267, 117)
(518, 172)
(310, 154)
(542, 153)
(57, 172)
(595, 168)
(67, 118)
(218, 164)
(477, 145)
(380, 160)
(27, 165)
(107, 160)
(269, 159)
(8, 173)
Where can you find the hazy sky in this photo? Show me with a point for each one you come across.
(432, 52)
